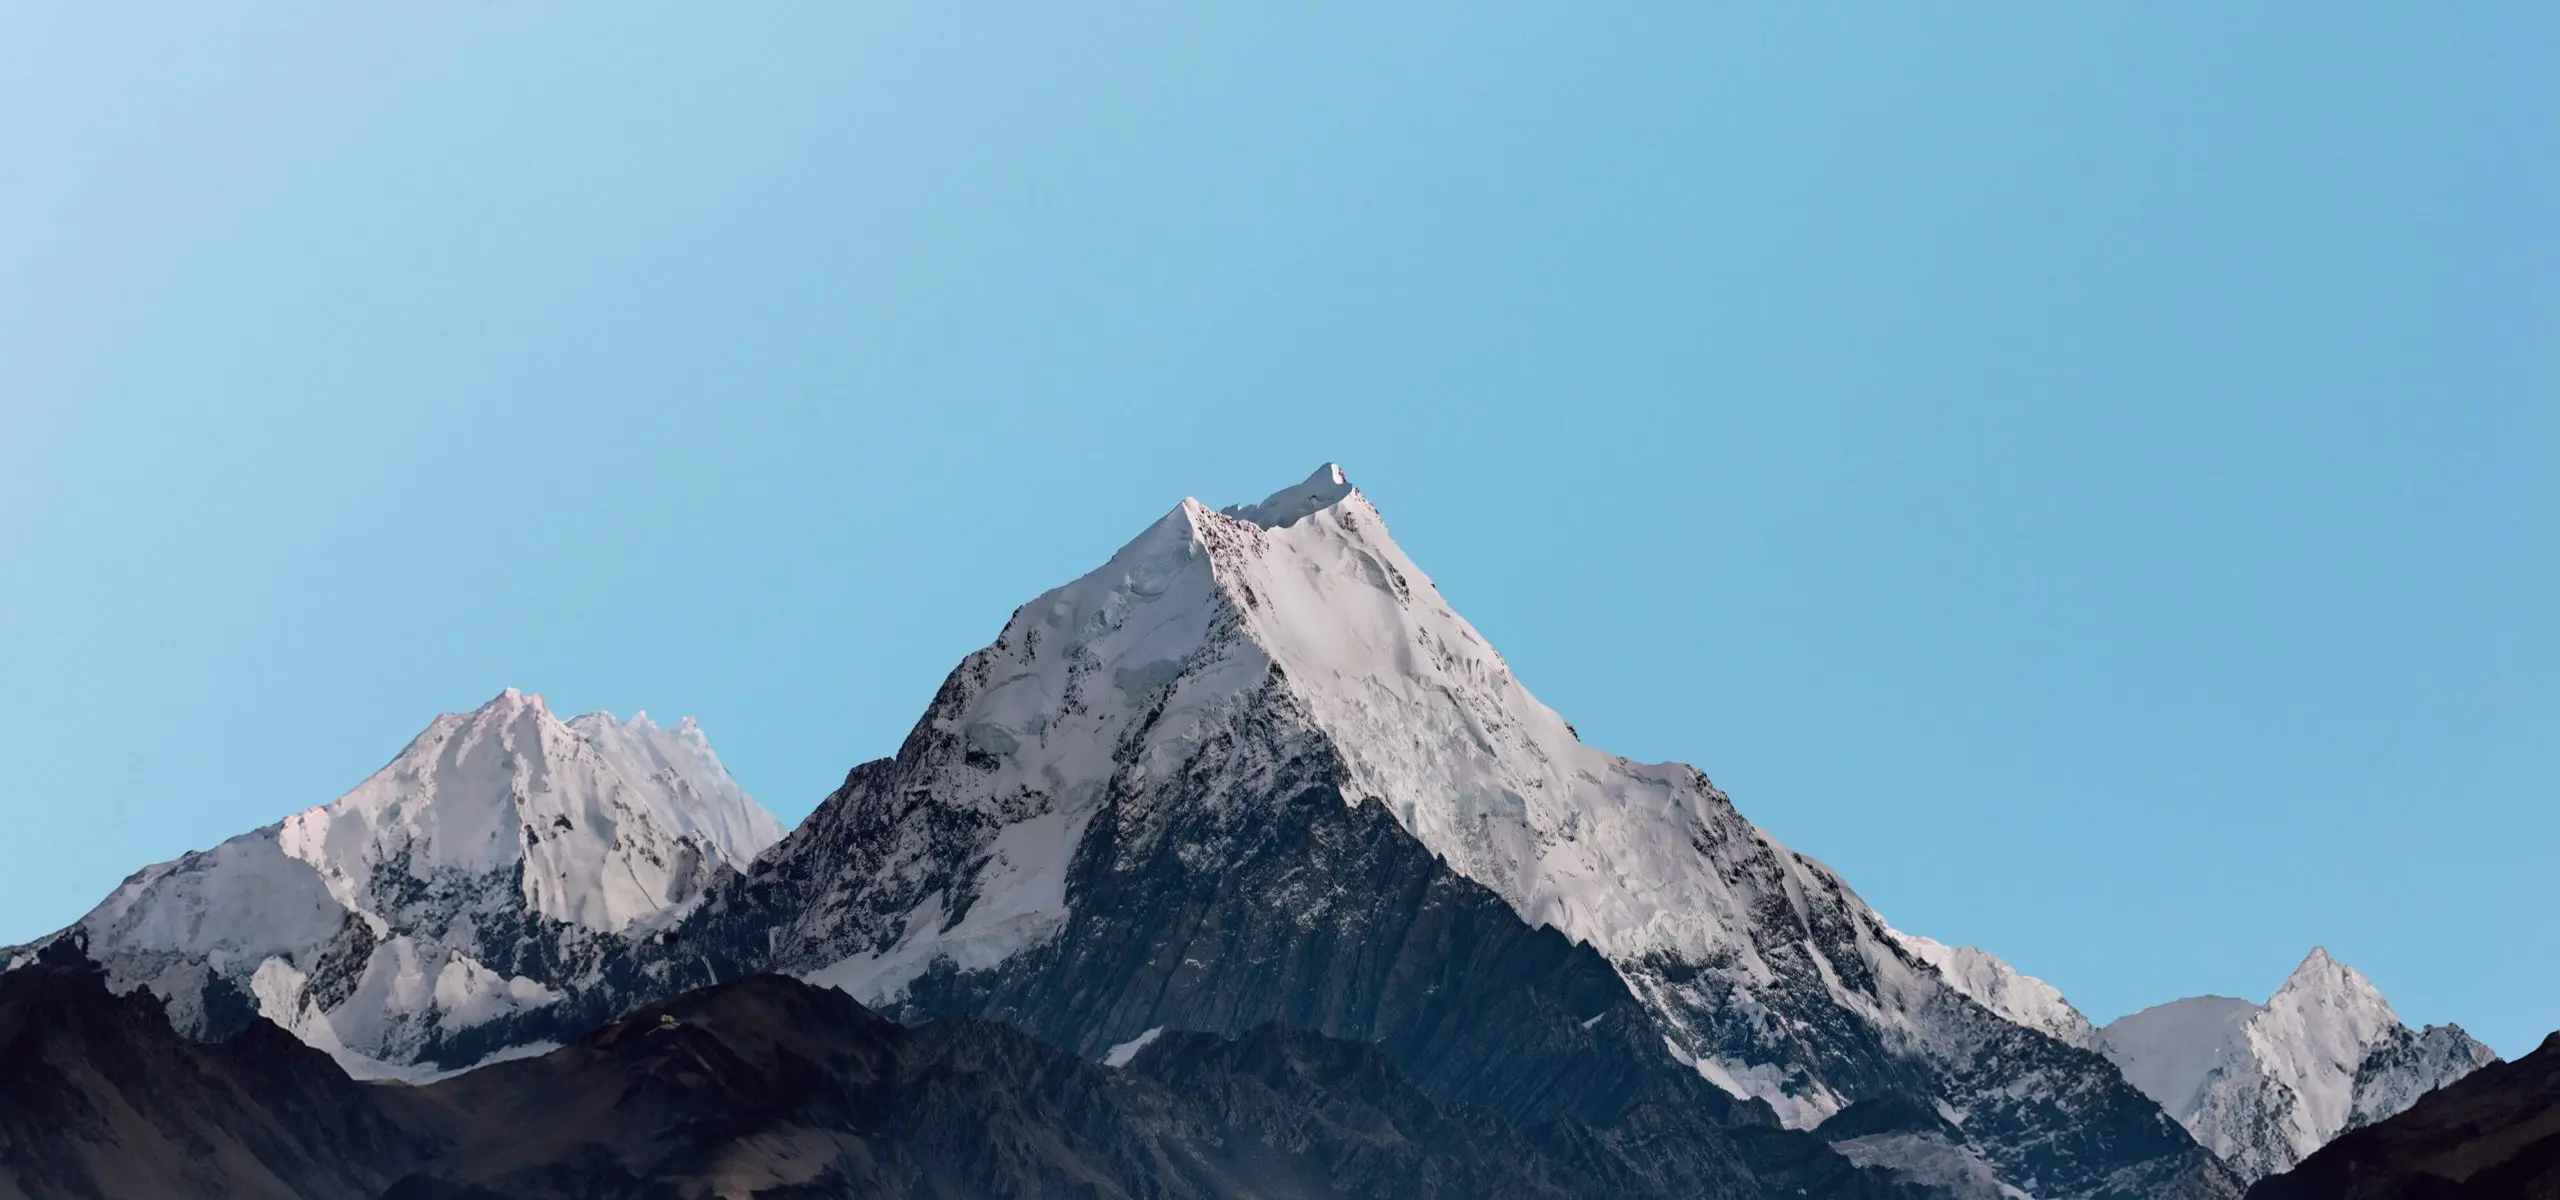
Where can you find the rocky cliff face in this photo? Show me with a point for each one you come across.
(2404, 1065)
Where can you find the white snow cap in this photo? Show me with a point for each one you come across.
(1193, 621)
(2263, 1085)
(610, 826)
(612, 819)
(1323, 489)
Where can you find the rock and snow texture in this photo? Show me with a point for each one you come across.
(2263, 1085)
(1121, 1055)
(449, 890)
(1997, 986)
(1932, 1162)
(2407, 1065)
(1223, 654)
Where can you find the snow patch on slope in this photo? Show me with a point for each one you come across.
(1930, 1161)
(1021, 902)
(1126, 1052)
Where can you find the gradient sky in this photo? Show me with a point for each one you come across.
(2088, 472)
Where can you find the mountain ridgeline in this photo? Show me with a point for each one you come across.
(2263, 1085)
(768, 1086)
(1251, 815)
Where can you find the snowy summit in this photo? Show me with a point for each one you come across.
(399, 914)
(2264, 1085)
(1226, 659)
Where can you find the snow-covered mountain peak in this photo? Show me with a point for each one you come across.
(613, 822)
(2265, 1084)
(1219, 653)
(411, 907)
(1324, 488)
(2319, 978)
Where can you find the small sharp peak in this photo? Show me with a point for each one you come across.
(1323, 489)
(510, 701)
(523, 713)
(2317, 972)
(637, 724)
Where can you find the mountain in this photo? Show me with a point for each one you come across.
(2265, 1084)
(1251, 771)
(2494, 1134)
(766, 1086)
(458, 902)
(1997, 986)
(99, 1096)
(1255, 769)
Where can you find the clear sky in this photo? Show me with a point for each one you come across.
(2088, 472)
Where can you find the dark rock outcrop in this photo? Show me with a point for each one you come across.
(770, 1087)
(99, 1096)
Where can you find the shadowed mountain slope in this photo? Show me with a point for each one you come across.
(2491, 1135)
(769, 1087)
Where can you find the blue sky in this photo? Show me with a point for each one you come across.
(2086, 472)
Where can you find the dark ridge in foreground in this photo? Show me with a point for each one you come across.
(2491, 1135)
(770, 1087)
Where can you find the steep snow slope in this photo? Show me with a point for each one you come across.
(1223, 661)
(2170, 1050)
(1996, 985)
(2263, 1085)
(451, 889)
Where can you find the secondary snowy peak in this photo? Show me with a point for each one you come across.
(2408, 1065)
(612, 822)
(2314, 1033)
(2263, 1085)
(457, 885)
(1996, 985)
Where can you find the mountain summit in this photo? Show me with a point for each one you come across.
(470, 880)
(2264, 1085)
(1255, 768)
